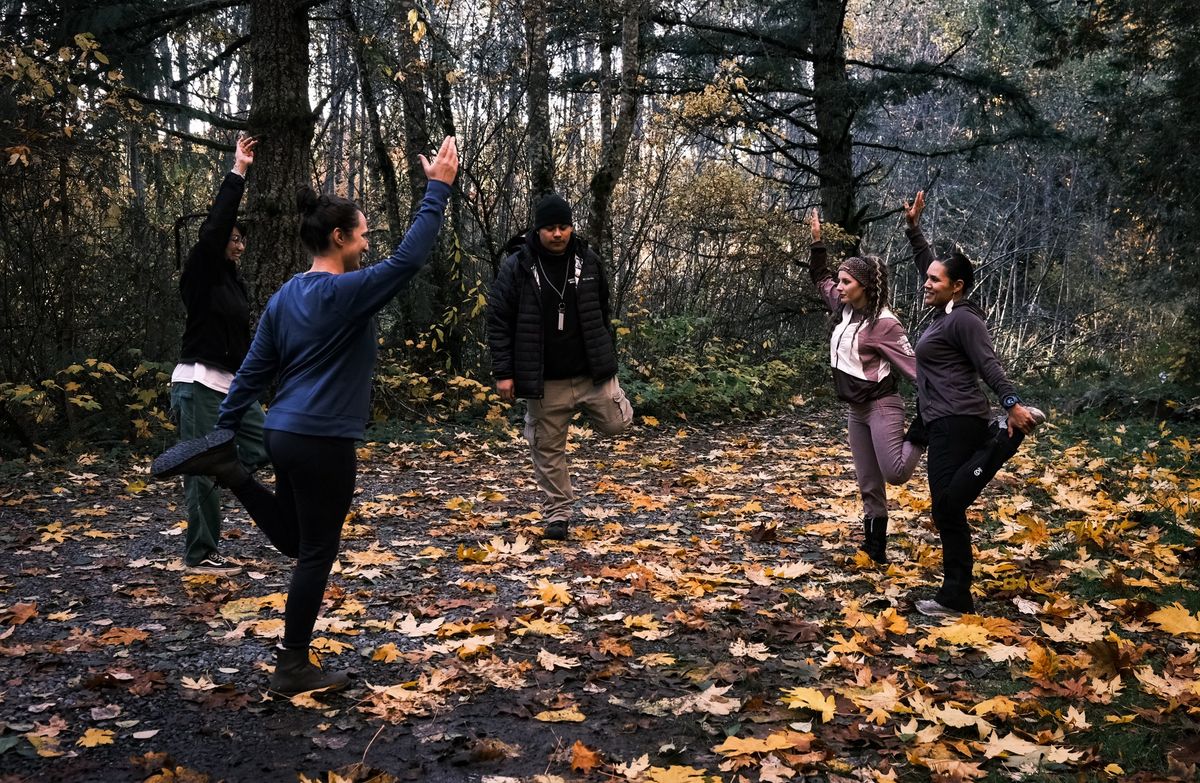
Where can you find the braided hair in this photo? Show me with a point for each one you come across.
(871, 272)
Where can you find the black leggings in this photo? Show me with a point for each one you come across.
(314, 484)
(964, 454)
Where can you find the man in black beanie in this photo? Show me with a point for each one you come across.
(551, 339)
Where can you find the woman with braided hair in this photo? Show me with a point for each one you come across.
(866, 350)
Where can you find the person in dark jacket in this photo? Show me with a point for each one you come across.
(868, 348)
(552, 345)
(966, 448)
(317, 339)
(216, 337)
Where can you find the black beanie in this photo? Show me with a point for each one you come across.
(553, 210)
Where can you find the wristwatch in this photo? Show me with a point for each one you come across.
(1009, 401)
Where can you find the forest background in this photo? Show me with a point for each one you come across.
(1055, 140)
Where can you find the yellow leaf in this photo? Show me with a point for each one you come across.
(810, 699)
(552, 593)
(386, 653)
(541, 627)
(568, 715)
(1176, 620)
(678, 775)
(333, 646)
(650, 421)
(93, 737)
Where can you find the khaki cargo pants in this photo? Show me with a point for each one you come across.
(546, 423)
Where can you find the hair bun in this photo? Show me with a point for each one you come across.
(307, 199)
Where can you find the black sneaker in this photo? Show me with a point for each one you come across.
(215, 564)
(916, 434)
(556, 530)
(931, 608)
(213, 455)
(1039, 418)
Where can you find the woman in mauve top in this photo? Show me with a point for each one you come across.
(867, 349)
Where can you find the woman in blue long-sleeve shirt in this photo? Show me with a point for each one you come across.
(317, 338)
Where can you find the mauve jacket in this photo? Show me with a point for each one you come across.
(862, 355)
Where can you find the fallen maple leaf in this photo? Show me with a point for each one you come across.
(17, 614)
(713, 701)
(742, 649)
(386, 652)
(1176, 620)
(201, 684)
(810, 699)
(678, 775)
(550, 661)
(553, 593)
(413, 629)
(634, 769)
(583, 759)
(93, 737)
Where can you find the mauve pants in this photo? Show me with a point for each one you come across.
(881, 455)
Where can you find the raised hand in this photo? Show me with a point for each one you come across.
(912, 212)
(243, 156)
(444, 166)
(814, 223)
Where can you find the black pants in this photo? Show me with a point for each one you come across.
(964, 454)
(314, 484)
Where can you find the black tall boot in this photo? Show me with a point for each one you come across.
(294, 673)
(875, 538)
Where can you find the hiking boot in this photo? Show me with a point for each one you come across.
(213, 455)
(556, 530)
(295, 673)
(931, 608)
(214, 564)
(875, 539)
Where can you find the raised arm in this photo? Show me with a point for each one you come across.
(818, 265)
(369, 289)
(922, 253)
(218, 225)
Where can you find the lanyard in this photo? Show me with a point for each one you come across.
(562, 294)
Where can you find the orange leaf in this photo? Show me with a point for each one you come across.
(582, 759)
(19, 613)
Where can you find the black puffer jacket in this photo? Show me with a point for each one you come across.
(217, 330)
(515, 318)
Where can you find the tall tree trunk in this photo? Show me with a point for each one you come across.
(834, 114)
(612, 157)
(282, 119)
(416, 115)
(537, 75)
(383, 159)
